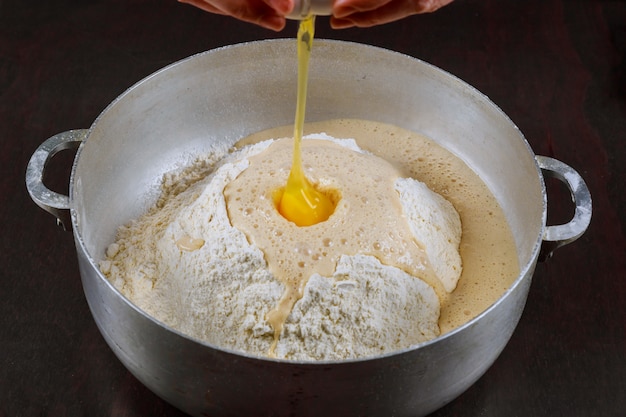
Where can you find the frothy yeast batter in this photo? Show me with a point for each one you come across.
(487, 247)
(368, 218)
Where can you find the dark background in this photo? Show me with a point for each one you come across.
(556, 67)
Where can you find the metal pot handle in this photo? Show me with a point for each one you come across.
(559, 235)
(56, 204)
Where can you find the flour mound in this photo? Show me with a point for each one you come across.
(433, 221)
(365, 309)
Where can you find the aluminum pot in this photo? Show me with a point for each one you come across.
(214, 99)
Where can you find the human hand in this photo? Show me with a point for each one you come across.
(367, 13)
(346, 13)
(269, 14)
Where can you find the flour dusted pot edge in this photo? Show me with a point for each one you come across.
(215, 98)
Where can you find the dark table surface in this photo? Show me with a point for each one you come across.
(556, 67)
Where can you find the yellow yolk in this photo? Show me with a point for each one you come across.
(299, 201)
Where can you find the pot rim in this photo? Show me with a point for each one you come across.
(526, 271)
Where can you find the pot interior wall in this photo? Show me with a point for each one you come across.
(213, 99)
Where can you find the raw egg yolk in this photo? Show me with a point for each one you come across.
(301, 203)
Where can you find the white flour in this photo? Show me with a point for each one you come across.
(220, 292)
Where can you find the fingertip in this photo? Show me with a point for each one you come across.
(341, 9)
(337, 23)
(275, 23)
